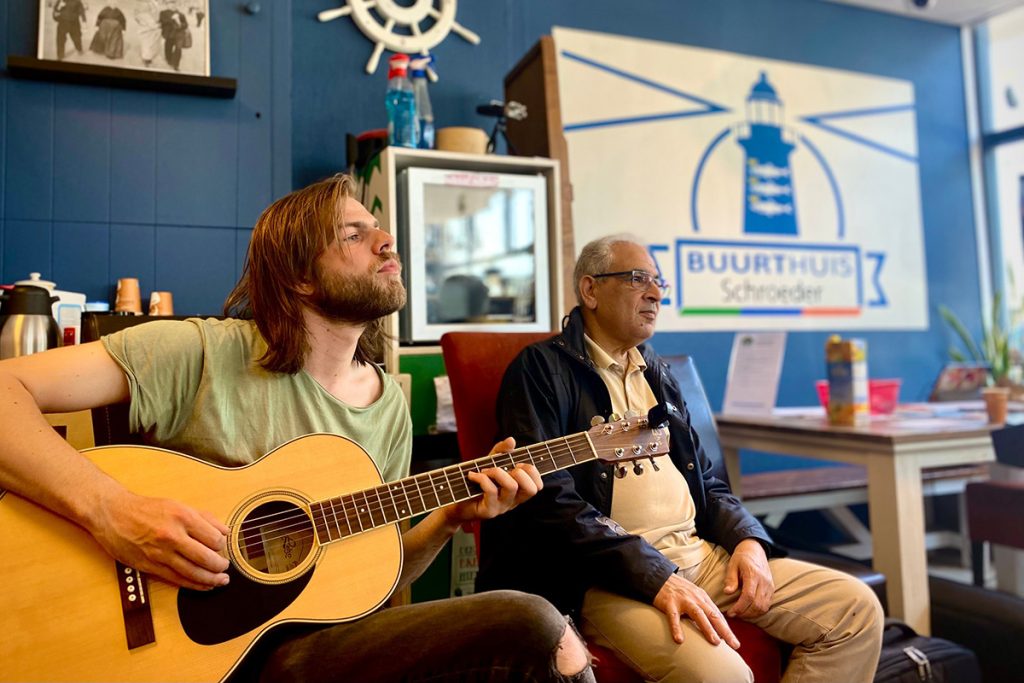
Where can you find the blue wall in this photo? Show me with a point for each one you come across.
(333, 95)
(99, 183)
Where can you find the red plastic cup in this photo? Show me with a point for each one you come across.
(883, 395)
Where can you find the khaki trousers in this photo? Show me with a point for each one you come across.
(833, 620)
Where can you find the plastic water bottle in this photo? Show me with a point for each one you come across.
(424, 112)
(401, 104)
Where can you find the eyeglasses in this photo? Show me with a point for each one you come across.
(638, 279)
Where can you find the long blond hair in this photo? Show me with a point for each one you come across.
(288, 238)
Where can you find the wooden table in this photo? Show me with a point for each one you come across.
(894, 450)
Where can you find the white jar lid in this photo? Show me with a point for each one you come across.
(34, 280)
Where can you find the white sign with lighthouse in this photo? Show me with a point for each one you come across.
(772, 195)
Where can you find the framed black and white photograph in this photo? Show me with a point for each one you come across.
(152, 35)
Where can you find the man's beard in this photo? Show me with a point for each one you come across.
(359, 299)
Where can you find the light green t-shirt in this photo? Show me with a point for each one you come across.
(197, 388)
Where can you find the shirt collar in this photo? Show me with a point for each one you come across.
(604, 361)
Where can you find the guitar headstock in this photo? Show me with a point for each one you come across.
(629, 438)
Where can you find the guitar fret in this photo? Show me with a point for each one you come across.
(380, 506)
(463, 484)
(391, 511)
(419, 492)
(551, 456)
(434, 488)
(445, 489)
(355, 511)
(474, 466)
(365, 510)
(402, 512)
(458, 483)
(344, 513)
(337, 522)
(537, 460)
(546, 463)
(320, 522)
(571, 454)
(327, 519)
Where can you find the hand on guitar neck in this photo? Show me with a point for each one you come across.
(502, 490)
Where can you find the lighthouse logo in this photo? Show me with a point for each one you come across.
(768, 272)
(771, 195)
(768, 180)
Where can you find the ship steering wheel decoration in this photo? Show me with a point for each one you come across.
(379, 19)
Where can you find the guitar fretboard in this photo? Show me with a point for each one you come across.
(353, 513)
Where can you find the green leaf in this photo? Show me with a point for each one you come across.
(962, 333)
(994, 349)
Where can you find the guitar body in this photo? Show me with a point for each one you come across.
(61, 616)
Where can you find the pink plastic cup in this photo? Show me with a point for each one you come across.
(883, 395)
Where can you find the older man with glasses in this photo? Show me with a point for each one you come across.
(649, 563)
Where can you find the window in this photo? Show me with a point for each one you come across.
(1000, 54)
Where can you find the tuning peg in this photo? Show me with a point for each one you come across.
(631, 414)
(614, 417)
(638, 468)
(596, 420)
(655, 465)
(620, 472)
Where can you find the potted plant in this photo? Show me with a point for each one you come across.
(994, 349)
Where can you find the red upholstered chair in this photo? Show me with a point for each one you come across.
(476, 362)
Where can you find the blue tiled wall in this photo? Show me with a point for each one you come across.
(99, 184)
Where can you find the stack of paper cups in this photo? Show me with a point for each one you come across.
(128, 297)
(161, 303)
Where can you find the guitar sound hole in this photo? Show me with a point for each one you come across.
(276, 537)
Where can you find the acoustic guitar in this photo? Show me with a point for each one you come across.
(314, 539)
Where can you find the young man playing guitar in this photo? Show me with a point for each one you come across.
(319, 279)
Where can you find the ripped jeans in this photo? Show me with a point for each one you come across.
(498, 636)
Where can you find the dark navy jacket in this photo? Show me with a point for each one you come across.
(562, 542)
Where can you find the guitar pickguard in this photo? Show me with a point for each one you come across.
(219, 615)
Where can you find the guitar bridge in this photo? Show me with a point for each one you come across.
(138, 617)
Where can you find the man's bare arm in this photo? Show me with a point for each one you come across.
(157, 536)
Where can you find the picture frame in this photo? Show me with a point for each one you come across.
(149, 35)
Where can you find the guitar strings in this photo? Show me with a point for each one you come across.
(296, 519)
(303, 521)
(406, 482)
(407, 485)
(257, 546)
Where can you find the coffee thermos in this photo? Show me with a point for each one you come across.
(26, 321)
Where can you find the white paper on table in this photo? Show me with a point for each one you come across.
(755, 366)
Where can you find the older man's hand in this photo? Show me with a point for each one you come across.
(679, 598)
(748, 570)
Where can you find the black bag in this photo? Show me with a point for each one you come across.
(910, 658)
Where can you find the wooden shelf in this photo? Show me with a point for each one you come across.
(113, 77)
